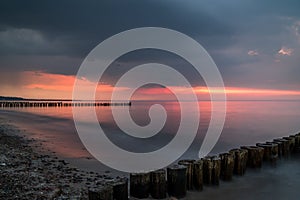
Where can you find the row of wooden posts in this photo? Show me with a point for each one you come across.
(193, 174)
(5, 104)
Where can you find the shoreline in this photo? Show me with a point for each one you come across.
(68, 182)
(27, 173)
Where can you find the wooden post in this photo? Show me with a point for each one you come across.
(294, 137)
(297, 140)
(240, 161)
(291, 143)
(102, 192)
(216, 170)
(198, 175)
(227, 166)
(297, 143)
(139, 185)
(255, 156)
(285, 146)
(280, 147)
(120, 188)
(158, 188)
(270, 151)
(176, 177)
(207, 170)
(189, 172)
(274, 151)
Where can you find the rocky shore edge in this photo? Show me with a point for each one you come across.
(26, 173)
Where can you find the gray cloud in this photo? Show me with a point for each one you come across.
(54, 36)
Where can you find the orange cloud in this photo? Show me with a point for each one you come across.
(236, 90)
(235, 93)
(48, 81)
(45, 85)
(231, 92)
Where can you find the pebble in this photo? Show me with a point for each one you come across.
(32, 175)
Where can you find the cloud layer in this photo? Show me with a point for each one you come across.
(255, 44)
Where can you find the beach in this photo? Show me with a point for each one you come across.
(35, 166)
(27, 172)
(128, 100)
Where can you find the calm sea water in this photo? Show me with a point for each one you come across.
(247, 122)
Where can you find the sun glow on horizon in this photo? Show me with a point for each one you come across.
(45, 85)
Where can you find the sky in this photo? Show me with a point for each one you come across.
(254, 43)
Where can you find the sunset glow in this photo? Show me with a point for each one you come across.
(37, 84)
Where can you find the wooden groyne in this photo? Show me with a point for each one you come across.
(187, 175)
(21, 104)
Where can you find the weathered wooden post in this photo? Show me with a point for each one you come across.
(211, 170)
(198, 175)
(261, 152)
(216, 170)
(291, 143)
(270, 151)
(207, 170)
(189, 172)
(240, 161)
(227, 166)
(267, 151)
(120, 188)
(158, 188)
(274, 152)
(280, 147)
(139, 185)
(297, 140)
(285, 146)
(255, 156)
(176, 177)
(101, 192)
(297, 143)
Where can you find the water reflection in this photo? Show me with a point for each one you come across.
(247, 122)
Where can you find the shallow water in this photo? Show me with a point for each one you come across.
(247, 122)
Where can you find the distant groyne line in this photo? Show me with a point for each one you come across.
(12, 104)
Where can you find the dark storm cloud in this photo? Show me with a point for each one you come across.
(54, 36)
(70, 29)
(77, 26)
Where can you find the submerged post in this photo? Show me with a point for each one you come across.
(158, 187)
(255, 156)
(291, 143)
(207, 170)
(176, 177)
(297, 143)
(102, 192)
(270, 151)
(216, 170)
(240, 161)
(139, 185)
(198, 175)
(120, 188)
(189, 172)
(285, 146)
(227, 166)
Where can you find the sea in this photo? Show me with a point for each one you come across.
(246, 123)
